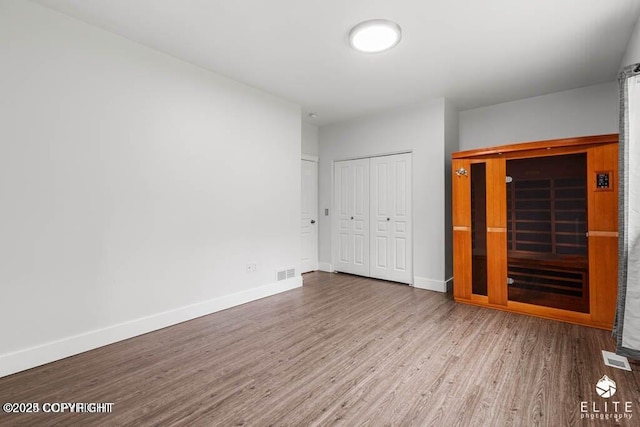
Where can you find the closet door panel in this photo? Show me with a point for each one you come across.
(342, 226)
(360, 222)
(351, 223)
(391, 250)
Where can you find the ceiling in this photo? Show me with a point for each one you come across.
(474, 52)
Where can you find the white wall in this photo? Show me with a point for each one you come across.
(591, 110)
(134, 187)
(451, 145)
(420, 129)
(310, 144)
(632, 55)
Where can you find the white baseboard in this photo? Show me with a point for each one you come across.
(449, 284)
(325, 266)
(21, 360)
(431, 285)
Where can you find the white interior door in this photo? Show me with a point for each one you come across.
(309, 217)
(351, 218)
(391, 234)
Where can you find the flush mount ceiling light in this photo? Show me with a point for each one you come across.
(376, 35)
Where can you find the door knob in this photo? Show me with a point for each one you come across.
(351, 217)
(313, 221)
(388, 219)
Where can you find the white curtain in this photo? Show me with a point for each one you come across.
(627, 324)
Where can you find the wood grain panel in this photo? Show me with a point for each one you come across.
(461, 197)
(341, 350)
(603, 204)
(497, 267)
(553, 144)
(603, 279)
(550, 313)
(462, 279)
(603, 233)
(543, 312)
(461, 211)
(496, 231)
(546, 152)
(497, 194)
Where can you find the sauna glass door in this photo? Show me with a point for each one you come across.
(547, 257)
(479, 229)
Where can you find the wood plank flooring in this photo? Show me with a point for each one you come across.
(341, 350)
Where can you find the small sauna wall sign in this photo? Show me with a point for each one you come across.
(603, 181)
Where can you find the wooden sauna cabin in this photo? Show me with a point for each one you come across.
(535, 228)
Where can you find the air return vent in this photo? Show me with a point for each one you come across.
(286, 273)
(615, 361)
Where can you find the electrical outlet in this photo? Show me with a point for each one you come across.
(251, 267)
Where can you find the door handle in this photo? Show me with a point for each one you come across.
(351, 217)
(388, 219)
(313, 221)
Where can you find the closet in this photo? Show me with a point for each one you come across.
(536, 228)
(372, 227)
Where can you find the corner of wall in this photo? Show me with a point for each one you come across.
(632, 53)
(431, 285)
(326, 267)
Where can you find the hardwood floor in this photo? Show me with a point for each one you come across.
(341, 350)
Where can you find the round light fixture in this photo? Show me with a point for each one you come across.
(313, 116)
(376, 35)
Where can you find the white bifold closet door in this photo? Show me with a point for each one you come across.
(372, 233)
(351, 228)
(391, 247)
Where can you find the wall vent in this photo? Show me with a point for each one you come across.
(615, 361)
(286, 273)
